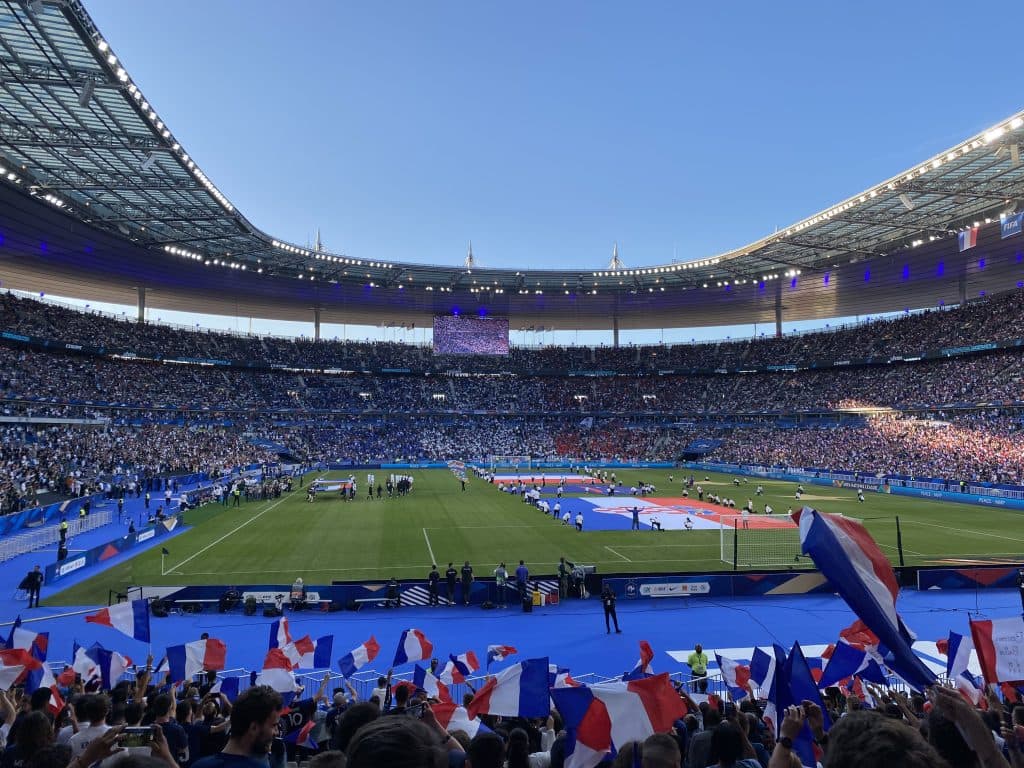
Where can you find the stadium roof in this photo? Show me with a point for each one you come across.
(79, 136)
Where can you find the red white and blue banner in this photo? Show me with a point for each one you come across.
(131, 618)
(968, 238)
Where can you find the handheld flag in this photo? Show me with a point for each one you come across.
(131, 618)
(36, 643)
(186, 661)
(852, 562)
(279, 634)
(559, 677)
(228, 686)
(643, 666)
(412, 646)
(305, 653)
(958, 657)
(277, 672)
(603, 717)
(998, 643)
(849, 661)
(453, 718)
(13, 664)
(736, 677)
(425, 680)
(499, 652)
(358, 657)
(765, 669)
(521, 690)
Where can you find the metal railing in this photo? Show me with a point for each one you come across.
(41, 537)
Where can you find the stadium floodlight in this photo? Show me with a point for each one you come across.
(907, 202)
(86, 93)
(150, 161)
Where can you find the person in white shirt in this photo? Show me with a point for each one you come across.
(95, 710)
(579, 521)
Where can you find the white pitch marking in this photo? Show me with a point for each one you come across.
(430, 549)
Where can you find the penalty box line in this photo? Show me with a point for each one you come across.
(233, 531)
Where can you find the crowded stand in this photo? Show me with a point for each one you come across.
(991, 319)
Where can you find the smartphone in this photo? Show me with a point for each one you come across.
(416, 710)
(137, 737)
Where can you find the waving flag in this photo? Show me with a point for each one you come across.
(736, 677)
(848, 661)
(852, 562)
(277, 672)
(998, 643)
(958, 657)
(858, 634)
(358, 657)
(601, 718)
(131, 618)
(37, 643)
(520, 690)
(42, 678)
(465, 663)
(228, 686)
(643, 667)
(412, 646)
(453, 718)
(305, 653)
(279, 634)
(559, 677)
(13, 665)
(425, 680)
(499, 653)
(303, 737)
(795, 683)
(765, 669)
(186, 661)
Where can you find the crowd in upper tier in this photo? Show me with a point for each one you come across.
(988, 319)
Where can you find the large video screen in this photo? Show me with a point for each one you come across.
(456, 335)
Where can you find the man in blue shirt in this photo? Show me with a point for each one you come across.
(522, 577)
(254, 720)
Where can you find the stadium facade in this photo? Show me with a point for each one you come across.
(100, 201)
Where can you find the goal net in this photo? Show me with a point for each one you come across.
(501, 461)
(760, 541)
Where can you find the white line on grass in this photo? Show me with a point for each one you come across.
(962, 530)
(229, 533)
(618, 553)
(430, 549)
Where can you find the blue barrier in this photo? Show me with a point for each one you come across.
(959, 498)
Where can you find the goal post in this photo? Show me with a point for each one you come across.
(760, 541)
(503, 461)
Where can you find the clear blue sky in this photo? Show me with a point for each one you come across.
(543, 131)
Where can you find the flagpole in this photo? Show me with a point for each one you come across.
(162, 556)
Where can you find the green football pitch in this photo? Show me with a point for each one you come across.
(274, 541)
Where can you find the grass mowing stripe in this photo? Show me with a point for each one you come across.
(257, 516)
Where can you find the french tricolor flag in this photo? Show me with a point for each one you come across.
(96, 662)
(13, 664)
(958, 657)
(520, 690)
(850, 559)
(277, 672)
(643, 667)
(306, 653)
(499, 653)
(358, 657)
(453, 718)
(736, 676)
(42, 677)
(847, 661)
(131, 618)
(765, 669)
(186, 661)
(37, 643)
(968, 238)
(412, 646)
(998, 643)
(279, 634)
(425, 680)
(600, 718)
(559, 677)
